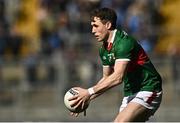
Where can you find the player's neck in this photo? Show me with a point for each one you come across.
(108, 43)
(109, 40)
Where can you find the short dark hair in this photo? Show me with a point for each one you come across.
(105, 14)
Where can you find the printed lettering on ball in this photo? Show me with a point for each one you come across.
(70, 93)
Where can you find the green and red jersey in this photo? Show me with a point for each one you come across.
(141, 74)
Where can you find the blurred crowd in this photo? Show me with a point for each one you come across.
(65, 21)
(65, 24)
(61, 35)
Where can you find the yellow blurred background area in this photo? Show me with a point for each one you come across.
(26, 24)
(169, 41)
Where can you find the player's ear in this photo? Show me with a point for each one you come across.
(108, 25)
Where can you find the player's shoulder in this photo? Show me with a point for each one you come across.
(123, 37)
(123, 40)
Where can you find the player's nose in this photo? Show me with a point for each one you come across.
(93, 31)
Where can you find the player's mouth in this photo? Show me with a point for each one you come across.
(96, 36)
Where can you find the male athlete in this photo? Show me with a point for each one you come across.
(123, 60)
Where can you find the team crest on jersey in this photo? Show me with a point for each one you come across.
(104, 57)
(111, 57)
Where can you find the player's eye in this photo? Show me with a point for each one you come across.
(94, 25)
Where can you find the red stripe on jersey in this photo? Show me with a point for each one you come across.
(142, 57)
(151, 98)
(109, 47)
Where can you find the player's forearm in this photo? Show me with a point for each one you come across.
(96, 95)
(107, 83)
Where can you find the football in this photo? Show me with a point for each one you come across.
(70, 93)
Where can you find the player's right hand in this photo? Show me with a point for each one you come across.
(74, 114)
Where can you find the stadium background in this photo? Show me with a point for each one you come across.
(46, 47)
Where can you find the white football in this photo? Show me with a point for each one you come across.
(70, 93)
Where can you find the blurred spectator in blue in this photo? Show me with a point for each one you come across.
(139, 23)
(15, 44)
(31, 62)
(3, 41)
(3, 31)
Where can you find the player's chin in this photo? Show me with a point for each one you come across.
(99, 39)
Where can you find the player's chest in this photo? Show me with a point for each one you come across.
(108, 57)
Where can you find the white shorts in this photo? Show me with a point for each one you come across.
(150, 100)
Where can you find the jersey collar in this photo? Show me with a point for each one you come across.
(110, 44)
(114, 33)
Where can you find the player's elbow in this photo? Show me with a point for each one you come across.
(118, 80)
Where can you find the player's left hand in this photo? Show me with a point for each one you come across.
(76, 114)
(82, 98)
